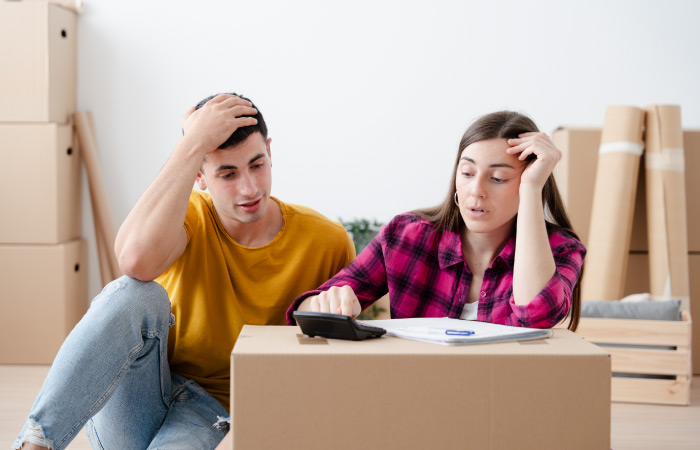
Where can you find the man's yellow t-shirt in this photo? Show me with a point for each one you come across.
(218, 285)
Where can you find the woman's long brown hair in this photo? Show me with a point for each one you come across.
(506, 125)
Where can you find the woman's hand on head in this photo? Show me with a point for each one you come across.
(547, 155)
(336, 300)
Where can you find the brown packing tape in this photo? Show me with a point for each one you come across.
(666, 203)
(614, 193)
(104, 226)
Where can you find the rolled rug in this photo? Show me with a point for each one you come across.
(614, 193)
(667, 225)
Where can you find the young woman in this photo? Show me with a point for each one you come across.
(499, 249)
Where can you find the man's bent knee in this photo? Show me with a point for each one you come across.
(135, 297)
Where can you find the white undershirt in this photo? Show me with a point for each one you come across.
(469, 311)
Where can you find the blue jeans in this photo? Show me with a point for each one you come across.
(112, 377)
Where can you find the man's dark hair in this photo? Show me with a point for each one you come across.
(241, 134)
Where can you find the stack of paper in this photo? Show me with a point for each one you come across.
(455, 331)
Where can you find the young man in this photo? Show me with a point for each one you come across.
(140, 372)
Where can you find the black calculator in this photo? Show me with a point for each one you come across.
(335, 326)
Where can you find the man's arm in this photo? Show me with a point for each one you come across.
(152, 236)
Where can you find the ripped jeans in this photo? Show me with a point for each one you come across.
(112, 377)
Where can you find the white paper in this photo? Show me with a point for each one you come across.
(435, 330)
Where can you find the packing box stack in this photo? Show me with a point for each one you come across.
(295, 392)
(652, 358)
(43, 283)
(38, 54)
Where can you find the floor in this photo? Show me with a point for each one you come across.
(633, 426)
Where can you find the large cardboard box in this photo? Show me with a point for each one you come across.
(43, 294)
(294, 392)
(38, 60)
(40, 165)
(575, 173)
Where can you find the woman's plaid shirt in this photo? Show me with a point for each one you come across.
(425, 274)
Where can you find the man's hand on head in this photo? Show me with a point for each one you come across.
(211, 125)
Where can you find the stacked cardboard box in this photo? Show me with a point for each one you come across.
(575, 176)
(43, 284)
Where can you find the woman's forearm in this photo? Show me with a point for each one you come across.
(534, 264)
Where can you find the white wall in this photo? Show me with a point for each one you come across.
(366, 101)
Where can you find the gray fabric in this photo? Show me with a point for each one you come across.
(654, 310)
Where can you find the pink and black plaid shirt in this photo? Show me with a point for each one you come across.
(426, 276)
